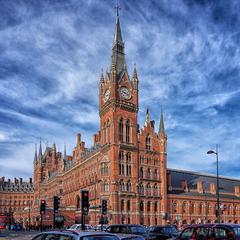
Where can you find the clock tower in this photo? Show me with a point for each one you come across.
(118, 108)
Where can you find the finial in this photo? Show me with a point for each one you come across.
(161, 130)
(117, 8)
(147, 116)
(135, 72)
(101, 76)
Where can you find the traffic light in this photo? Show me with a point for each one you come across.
(56, 204)
(85, 202)
(43, 207)
(104, 207)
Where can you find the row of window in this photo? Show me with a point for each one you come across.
(150, 206)
(125, 168)
(149, 191)
(5, 202)
(148, 160)
(148, 173)
(122, 127)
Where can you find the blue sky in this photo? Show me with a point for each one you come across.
(188, 60)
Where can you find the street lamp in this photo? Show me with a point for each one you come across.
(217, 191)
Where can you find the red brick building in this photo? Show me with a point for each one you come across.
(126, 166)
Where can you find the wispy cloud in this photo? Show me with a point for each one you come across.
(188, 61)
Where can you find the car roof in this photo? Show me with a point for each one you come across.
(78, 233)
(129, 225)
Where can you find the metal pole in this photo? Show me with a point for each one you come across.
(41, 222)
(29, 218)
(218, 202)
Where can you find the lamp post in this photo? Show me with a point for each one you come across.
(217, 190)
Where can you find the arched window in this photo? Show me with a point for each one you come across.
(122, 205)
(141, 189)
(155, 174)
(141, 206)
(120, 129)
(148, 188)
(104, 133)
(104, 168)
(148, 206)
(155, 207)
(128, 131)
(155, 190)
(200, 208)
(121, 164)
(78, 202)
(128, 206)
(129, 186)
(148, 142)
(148, 173)
(192, 208)
(108, 131)
(128, 167)
(105, 186)
(141, 172)
(121, 185)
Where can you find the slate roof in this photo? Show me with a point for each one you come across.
(226, 184)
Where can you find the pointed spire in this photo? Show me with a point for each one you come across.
(135, 76)
(35, 155)
(40, 149)
(101, 76)
(161, 130)
(65, 152)
(118, 55)
(147, 117)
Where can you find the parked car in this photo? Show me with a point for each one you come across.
(129, 237)
(128, 229)
(163, 232)
(211, 232)
(75, 235)
(79, 227)
(16, 227)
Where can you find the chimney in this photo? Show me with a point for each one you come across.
(30, 180)
(237, 191)
(212, 188)
(54, 151)
(9, 181)
(78, 139)
(20, 180)
(184, 185)
(200, 186)
(15, 180)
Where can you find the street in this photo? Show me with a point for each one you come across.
(21, 235)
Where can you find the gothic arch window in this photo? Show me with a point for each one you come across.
(141, 206)
(121, 186)
(155, 174)
(78, 202)
(128, 205)
(148, 142)
(128, 165)
(105, 186)
(104, 132)
(155, 190)
(148, 173)
(120, 130)
(141, 172)
(108, 131)
(121, 163)
(148, 206)
(155, 207)
(141, 189)
(128, 131)
(129, 186)
(104, 168)
(148, 188)
(200, 208)
(191, 208)
(122, 205)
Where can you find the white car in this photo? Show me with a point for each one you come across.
(75, 235)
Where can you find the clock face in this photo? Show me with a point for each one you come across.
(125, 93)
(106, 95)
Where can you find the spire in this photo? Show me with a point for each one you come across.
(135, 76)
(101, 76)
(161, 130)
(40, 150)
(65, 152)
(147, 117)
(118, 55)
(35, 155)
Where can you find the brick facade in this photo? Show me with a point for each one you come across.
(125, 166)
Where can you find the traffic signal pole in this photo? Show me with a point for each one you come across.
(85, 206)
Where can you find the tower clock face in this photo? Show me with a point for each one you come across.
(125, 93)
(106, 95)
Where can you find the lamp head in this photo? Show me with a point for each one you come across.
(210, 152)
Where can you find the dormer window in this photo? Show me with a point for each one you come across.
(148, 142)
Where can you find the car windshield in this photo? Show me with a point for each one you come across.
(137, 229)
(171, 230)
(100, 237)
(237, 231)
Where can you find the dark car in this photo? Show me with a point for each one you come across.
(163, 232)
(128, 229)
(211, 232)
